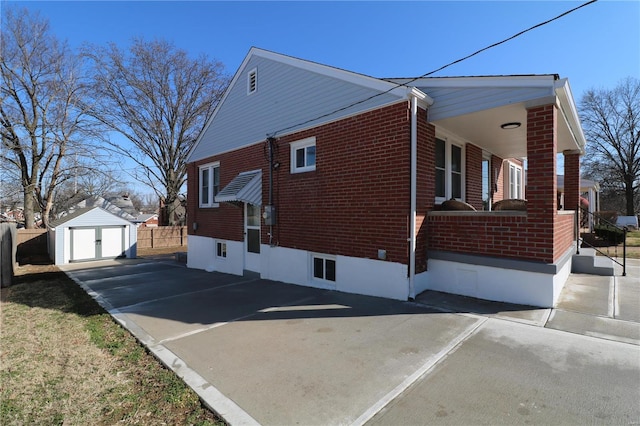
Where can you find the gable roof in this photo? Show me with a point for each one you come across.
(292, 94)
(75, 214)
(96, 201)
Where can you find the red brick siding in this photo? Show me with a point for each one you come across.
(564, 234)
(485, 234)
(357, 199)
(571, 181)
(354, 203)
(425, 196)
(227, 220)
(473, 176)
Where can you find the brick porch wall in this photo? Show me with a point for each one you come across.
(539, 234)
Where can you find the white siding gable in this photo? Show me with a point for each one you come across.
(290, 94)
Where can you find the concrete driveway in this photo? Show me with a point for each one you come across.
(262, 352)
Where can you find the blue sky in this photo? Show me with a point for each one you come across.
(595, 47)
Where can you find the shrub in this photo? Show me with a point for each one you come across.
(610, 233)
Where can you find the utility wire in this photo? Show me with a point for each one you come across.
(272, 135)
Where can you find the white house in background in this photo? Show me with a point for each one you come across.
(589, 192)
(91, 233)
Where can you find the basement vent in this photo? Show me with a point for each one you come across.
(252, 81)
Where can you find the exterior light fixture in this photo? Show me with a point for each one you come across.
(512, 125)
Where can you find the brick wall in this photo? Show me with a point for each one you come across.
(425, 195)
(227, 220)
(473, 176)
(354, 203)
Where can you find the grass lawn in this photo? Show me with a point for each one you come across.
(64, 360)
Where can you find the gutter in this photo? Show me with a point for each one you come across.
(415, 96)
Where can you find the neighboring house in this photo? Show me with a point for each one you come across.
(91, 233)
(318, 176)
(589, 198)
(104, 204)
(147, 220)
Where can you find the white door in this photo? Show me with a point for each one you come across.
(83, 243)
(252, 237)
(112, 241)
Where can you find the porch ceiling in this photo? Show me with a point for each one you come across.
(483, 129)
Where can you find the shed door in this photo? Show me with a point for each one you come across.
(112, 243)
(97, 243)
(83, 243)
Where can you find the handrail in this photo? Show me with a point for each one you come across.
(600, 220)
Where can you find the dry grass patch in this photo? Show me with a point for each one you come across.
(64, 360)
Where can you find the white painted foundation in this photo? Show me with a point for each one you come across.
(498, 284)
(387, 279)
(201, 254)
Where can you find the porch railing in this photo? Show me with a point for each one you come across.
(587, 217)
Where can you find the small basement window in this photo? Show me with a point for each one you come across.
(324, 268)
(252, 81)
(221, 249)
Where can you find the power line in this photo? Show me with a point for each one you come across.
(436, 70)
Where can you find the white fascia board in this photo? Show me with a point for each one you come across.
(546, 80)
(423, 99)
(570, 111)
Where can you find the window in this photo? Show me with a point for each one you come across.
(324, 268)
(252, 81)
(449, 170)
(209, 184)
(303, 155)
(221, 249)
(515, 181)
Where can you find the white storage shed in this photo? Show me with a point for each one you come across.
(91, 233)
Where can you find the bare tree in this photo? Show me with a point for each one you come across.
(40, 118)
(611, 120)
(159, 99)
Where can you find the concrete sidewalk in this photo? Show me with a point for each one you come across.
(262, 352)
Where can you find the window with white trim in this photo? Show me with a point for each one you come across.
(252, 81)
(515, 181)
(324, 268)
(449, 170)
(303, 155)
(221, 249)
(208, 184)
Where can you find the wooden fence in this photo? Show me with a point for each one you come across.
(162, 236)
(32, 242)
(7, 253)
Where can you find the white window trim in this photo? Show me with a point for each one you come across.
(211, 202)
(303, 143)
(325, 257)
(254, 73)
(516, 189)
(448, 142)
(224, 243)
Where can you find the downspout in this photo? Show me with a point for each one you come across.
(414, 182)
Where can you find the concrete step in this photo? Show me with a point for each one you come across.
(588, 263)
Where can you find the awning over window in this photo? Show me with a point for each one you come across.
(246, 188)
